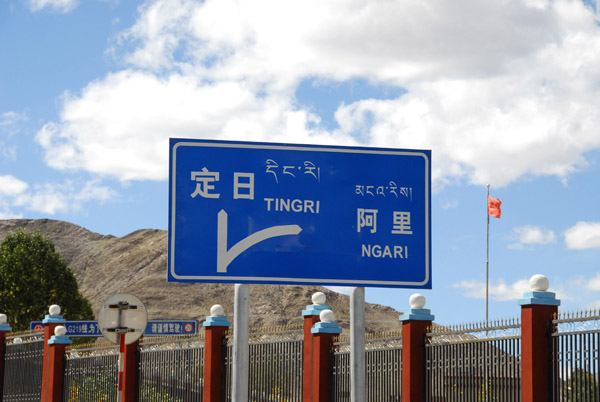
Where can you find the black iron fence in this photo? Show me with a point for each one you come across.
(91, 373)
(23, 368)
(474, 363)
(464, 363)
(276, 371)
(275, 357)
(171, 369)
(383, 365)
(576, 360)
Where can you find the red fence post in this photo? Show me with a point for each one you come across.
(415, 323)
(215, 327)
(323, 333)
(56, 365)
(4, 330)
(311, 317)
(50, 321)
(538, 309)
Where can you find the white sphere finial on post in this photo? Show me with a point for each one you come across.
(319, 298)
(3, 318)
(327, 316)
(217, 311)
(539, 283)
(417, 300)
(54, 309)
(60, 330)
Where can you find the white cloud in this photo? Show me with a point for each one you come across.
(345, 290)
(451, 204)
(531, 235)
(62, 6)
(9, 127)
(121, 126)
(48, 198)
(11, 186)
(594, 283)
(65, 197)
(487, 82)
(10, 118)
(583, 235)
(5, 214)
(500, 291)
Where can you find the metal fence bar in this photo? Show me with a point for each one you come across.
(383, 377)
(171, 372)
(474, 364)
(341, 377)
(228, 357)
(384, 374)
(91, 378)
(23, 370)
(276, 371)
(575, 359)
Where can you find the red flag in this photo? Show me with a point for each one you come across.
(494, 207)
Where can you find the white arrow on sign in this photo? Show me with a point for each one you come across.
(224, 256)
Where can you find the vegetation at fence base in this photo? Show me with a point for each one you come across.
(485, 392)
(151, 393)
(34, 276)
(275, 395)
(582, 386)
(100, 387)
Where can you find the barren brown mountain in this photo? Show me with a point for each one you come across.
(137, 264)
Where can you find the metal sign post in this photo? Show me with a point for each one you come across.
(121, 331)
(241, 335)
(357, 345)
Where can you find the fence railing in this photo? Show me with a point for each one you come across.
(383, 364)
(276, 371)
(23, 368)
(474, 363)
(275, 359)
(463, 363)
(91, 373)
(575, 357)
(171, 369)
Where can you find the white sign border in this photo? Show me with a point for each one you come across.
(297, 280)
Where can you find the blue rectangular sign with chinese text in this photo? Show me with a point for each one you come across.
(299, 214)
(81, 329)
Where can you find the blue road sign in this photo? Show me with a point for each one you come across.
(171, 327)
(299, 214)
(82, 329)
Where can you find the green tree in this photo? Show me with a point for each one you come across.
(582, 386)
(33, 276)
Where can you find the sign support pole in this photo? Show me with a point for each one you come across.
(241, 320)
(121, 366)
(357, 344)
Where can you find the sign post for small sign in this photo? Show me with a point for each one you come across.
(122, 320)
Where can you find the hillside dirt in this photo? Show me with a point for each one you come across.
(137, 264)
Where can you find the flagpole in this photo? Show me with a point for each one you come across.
(487, 259)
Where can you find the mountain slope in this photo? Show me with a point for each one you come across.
(137, 264)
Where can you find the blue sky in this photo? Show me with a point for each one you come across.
(506, 93)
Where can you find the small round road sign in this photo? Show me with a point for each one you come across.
(188, 327)
(122, 314)
(38, 328)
